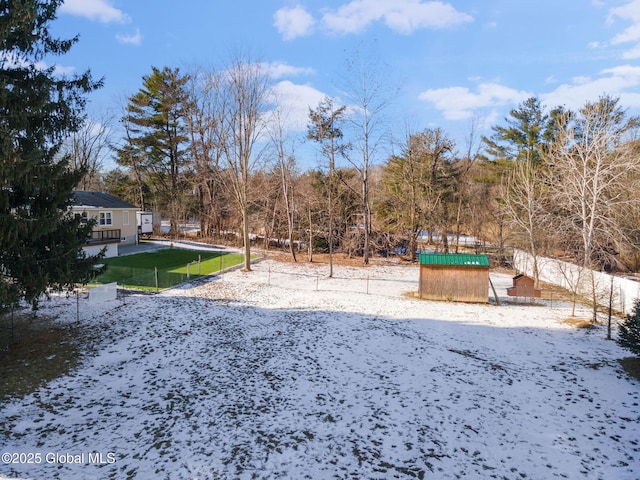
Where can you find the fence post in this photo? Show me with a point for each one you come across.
(367, 284)
(188, 275)
(317, 278)
(199, 258)
(269, 276)
(13, 307)
(156, 277)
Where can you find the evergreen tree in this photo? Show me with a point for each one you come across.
(41, 242)
(629, 333)
(526, 132)
(157, 138)
(325, 128)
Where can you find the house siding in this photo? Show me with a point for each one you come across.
(128, 232)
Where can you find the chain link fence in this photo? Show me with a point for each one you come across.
(156, 279)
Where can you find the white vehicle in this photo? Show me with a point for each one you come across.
(145, 223)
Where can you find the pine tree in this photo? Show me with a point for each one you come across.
(629, 333)
(41, 242)
(528, 129)
(157, 138)
(325, 128)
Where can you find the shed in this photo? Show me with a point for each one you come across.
(523, 286)
(454, 277)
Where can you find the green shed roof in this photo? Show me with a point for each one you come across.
(464, 260)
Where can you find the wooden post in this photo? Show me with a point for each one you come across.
(495, 294)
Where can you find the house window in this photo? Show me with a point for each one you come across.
(105, 218)
(125, 218)
(82, 217)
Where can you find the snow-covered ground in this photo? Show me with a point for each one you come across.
(284, 373)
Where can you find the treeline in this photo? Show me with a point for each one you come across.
(213, 146)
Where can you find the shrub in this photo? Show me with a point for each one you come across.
(629, 333)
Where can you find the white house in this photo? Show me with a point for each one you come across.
(115, 221)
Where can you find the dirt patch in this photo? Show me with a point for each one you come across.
(33, 351)
(631, 365)
(578, 322)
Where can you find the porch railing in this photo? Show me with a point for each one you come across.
(104, 236)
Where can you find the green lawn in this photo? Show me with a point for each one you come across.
(138, 271)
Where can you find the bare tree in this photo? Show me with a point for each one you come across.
(523, 203)
(589, 163)
(245, 90)
(86, 149)
(367, 88)
(287, 167)
(311, 205)
(207, 147)
(464, 167)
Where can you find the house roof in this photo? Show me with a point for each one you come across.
(462, 259)
(99, 199)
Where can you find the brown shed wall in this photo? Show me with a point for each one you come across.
(454, 283)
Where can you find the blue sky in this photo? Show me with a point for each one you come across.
(452, 61)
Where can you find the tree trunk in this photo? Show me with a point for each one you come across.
(331, 223)
(310, 245)
(247, 242)
(366, 214)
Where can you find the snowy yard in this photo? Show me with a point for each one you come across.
(271, 375)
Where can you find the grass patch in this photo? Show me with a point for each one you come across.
(174, 266)
(33, 352)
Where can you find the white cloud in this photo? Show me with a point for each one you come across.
(630, 12)
(100, 10)
(633, 53)
(61, 70)
(622, 81)
(295, 100)
(279, 70)
(134, 39)
(293, 22)
(403, 16)
(460, 103)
